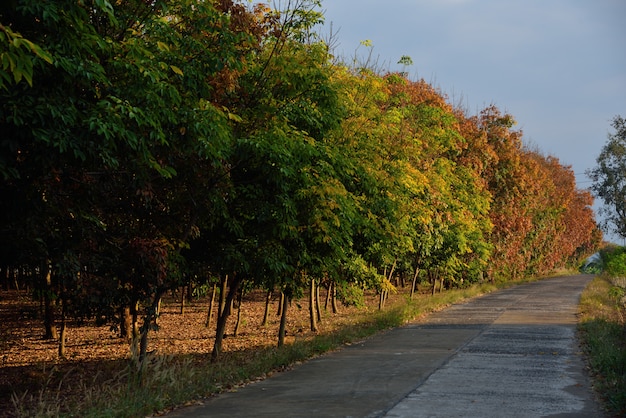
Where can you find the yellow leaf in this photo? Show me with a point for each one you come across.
(176, 70)
(234, 117)
(163, 46)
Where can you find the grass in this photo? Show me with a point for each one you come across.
(603, 334)
(169, 381)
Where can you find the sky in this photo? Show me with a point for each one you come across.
(557, 66)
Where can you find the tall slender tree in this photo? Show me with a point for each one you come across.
(609, 178)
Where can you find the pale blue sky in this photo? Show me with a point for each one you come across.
(558, 66)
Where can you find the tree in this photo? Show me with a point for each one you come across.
(284, 211)
(504, 175)
(115, 156)
(44, 153)
(609, 178)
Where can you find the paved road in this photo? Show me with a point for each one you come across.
(512, 353)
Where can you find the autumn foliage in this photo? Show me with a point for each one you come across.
(217, 145)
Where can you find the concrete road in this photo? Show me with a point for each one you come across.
(512, 353)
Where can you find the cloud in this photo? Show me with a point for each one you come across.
(558, 66)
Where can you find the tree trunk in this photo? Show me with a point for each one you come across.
(312, 313)
(441, 285)
(135, 313)
(283, 321)
(149, 318)
(126, 328)
(266, 314)
(432, 278)
(318, 311)
(182, 300)
(222, 317)
(11, 276)
(238, 322)
(4, 273)
(49, 322)
(393, 269)
(143, 341)
(279, 311)
(158, 311)
(223, 285)
(414, 281)
(328, 293)
(209, 316)
(62, 340)
(134, 339)
(333, 298)
(63, 332)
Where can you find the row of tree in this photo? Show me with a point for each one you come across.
(151, 145)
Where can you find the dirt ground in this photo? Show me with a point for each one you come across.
(26, 359)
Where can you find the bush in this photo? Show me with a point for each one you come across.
(592, 267)
(350, 295)
(612, 260)
(615, 265)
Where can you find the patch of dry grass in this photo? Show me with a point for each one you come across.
(99, 381)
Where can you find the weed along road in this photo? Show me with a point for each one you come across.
(512, 353)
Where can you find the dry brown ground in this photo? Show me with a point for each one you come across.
(26, 359)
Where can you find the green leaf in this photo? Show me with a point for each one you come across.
(41, 53)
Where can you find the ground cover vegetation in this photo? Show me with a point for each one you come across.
(603, 329)
(97, 379)
(220, 148)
